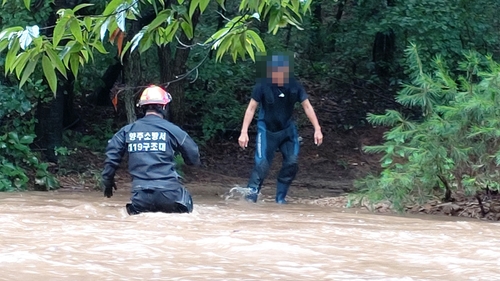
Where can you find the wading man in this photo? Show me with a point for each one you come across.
(151, 143)
(277, 95)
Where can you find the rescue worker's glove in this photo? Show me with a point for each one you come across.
(109, 184)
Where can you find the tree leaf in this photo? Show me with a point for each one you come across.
(33, 30)
(217, 36)
(26, 139)
(125, 49)
(27, 4)
(192, 7)
(188, 29)
(104, 28)
(306, 6)
(6, 32)
(237, 48)
(28, 70)
(295, 5)
(71, 47)
(263, 9)
(120, 19)
(81, 6)
(172, 31)
(250, 51)
(3, 45)
(13, 137)
(59, 31)
(113, 35)
(88, 23)
(11, 56)
(21, 61)
(74, 62)
(85, 54)
(222, 4)
(119, 43)
(76, 30)
(100, 47)
(203, 5)
(145, 43)
(49, 72)
(56, 61)
(257, 41)
(25, 39)
(112, 7)
(224, 46)
(160, 19)
(155, 7)
(243, 5)
(158, 39)
(137, 39)
(274, 18)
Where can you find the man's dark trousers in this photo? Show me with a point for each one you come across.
(287, 141)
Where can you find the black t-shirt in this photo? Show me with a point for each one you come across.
(277, 103)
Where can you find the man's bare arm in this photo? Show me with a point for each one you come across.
(309, 110)
(247, 120)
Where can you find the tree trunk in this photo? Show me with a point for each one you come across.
(173, 64)
(100, 96)
(383, 53)
(166, 73)
(70, 118)
(316, 39)
(132, 73)
(50, 115)
(50, 125)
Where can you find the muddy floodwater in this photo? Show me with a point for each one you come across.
(84, 236)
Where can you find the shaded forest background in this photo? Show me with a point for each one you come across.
(351, 56)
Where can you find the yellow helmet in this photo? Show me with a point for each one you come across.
(154, 95)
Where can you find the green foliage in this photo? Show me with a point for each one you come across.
(214, 99)
(17, 159)
(21, 166)
(76, 38)
(343, 48)
(178, 164)
(95, 140)
(445, 27)
(454, 147)
(14, 13)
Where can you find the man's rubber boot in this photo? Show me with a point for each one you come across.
(131, 210)
(281, 191)
(253, 195)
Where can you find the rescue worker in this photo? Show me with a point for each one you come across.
(151, 143)
(277, 95)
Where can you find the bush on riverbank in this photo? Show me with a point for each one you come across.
(453, 146)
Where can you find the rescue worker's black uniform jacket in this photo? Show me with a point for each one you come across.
(151, 143)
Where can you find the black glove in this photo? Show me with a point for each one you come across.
(109, 184)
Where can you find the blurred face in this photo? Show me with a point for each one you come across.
(280, 75)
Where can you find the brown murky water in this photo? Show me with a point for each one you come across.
(83, 236)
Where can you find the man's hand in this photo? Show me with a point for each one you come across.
(249, 113)
(109, 184)
(308, 109)
(318, 137)
(243, 140)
